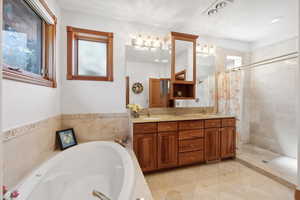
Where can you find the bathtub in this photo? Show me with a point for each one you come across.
(74, 173)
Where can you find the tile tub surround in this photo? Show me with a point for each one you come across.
(219, 181)
(141, 189)
(28, 146)
(92, 127)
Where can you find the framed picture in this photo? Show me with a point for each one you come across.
(66, 138)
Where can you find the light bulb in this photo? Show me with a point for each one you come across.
(139, 40)
(157, 43)
(212, 50)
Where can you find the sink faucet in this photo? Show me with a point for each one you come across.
(148, 113)
(100, 195)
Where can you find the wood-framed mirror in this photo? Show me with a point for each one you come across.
(183, 65)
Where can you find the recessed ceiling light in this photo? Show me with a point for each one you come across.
(276, 20)
(156, 60)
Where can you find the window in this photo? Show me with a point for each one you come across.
(233, 61)
(90, 55)
(28, 42)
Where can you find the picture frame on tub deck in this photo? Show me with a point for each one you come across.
(66, 138)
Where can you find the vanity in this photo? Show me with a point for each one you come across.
(177, 79)
(172, 141)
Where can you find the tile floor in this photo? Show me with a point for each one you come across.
(284, 168)
(227, 180)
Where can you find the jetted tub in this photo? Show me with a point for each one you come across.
(74, 173)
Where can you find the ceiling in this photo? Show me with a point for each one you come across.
(244, 20)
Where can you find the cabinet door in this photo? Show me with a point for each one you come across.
(167, 149)
(145, 148)
(212, 144)
(227, 142)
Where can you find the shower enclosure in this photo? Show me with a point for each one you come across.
(262, 94)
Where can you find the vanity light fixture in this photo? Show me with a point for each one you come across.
(150, 42)
(139, 41)
(205, 49)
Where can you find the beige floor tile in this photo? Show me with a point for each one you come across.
(228, 180)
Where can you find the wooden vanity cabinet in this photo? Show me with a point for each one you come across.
(145, 145)
(191, 142)
(162, 145)
(167, 143)
(228, 138)
(212, 144)
(167, 155)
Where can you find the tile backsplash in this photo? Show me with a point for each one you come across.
(91, 127)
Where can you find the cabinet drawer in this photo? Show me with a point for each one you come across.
(191, 145)
(191, 125)
(191, 157)
(144, 128)
(228, 122)
(191, 134)
(167, 126)
(213, 123)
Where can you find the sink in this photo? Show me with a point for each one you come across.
(151, 118)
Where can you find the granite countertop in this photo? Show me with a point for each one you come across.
(181, 117)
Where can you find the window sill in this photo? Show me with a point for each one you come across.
(26, 77)
(89, 78)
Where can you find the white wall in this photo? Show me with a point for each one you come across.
(279, 48)
(26, 103)
(108, 97)
(95, 96)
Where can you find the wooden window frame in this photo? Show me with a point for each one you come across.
(75, 34)
(48, 78)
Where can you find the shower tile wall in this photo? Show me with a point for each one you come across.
(272, 100)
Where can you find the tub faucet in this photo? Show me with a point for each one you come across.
(121, 140)
(100, 195)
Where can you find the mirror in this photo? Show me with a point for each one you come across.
(152, 69)
(205, 83)
(183, 60)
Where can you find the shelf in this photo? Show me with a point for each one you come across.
(183, 91)
(184, 98)
(184, 82)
